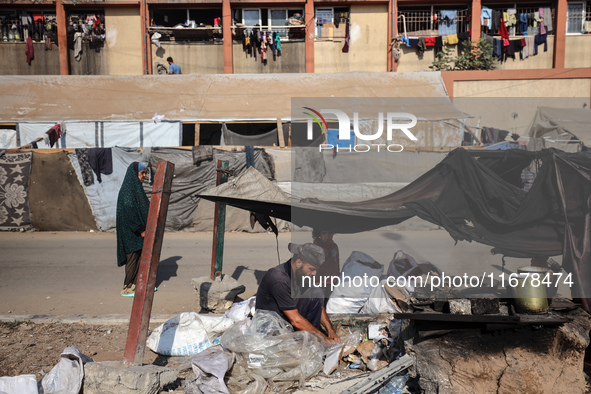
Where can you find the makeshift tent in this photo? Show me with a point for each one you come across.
(475, 196)
(105, 134)
(56, 197)
(565, 126)
(15, 169)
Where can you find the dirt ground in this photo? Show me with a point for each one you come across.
(30, 348)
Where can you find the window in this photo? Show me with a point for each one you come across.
(575, 17)
(331, 23)
(17, 25)
(288, 23)
(187, 24)
(426, 21)
(251, 17)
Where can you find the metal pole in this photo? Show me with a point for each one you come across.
(219, 225)
(146, 277)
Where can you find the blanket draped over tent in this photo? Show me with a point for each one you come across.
(475, 196)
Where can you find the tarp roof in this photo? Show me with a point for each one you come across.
(198, 97)
(562, 124)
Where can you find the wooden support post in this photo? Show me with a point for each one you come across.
(289, 137)
(310, 34)
(219, 225)
(149, 42)
(144, 36)
(475, 22)
(62, 38)
(280, 135)
(227, 35)
(146, 277)
(560, 34)
(197, 133)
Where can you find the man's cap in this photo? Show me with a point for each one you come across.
(310, 253)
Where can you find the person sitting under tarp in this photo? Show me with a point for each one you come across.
(304, 311)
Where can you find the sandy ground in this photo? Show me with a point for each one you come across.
(75, 273)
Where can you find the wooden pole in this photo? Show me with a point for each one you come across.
(219, 225)
(62, 37)
(197, 133)
(280, 135)
(310, 33)
(227, 36)
(475, 22)
(146, 277)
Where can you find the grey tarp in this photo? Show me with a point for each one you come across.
(478, 200)
(269, 138)
(191, 180)
(103, 196)
(563, 125)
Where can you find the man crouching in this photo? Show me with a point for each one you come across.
(303, 309)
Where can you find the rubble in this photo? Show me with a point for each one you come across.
(112, 377)
(216, 296)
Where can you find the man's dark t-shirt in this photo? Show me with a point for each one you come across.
(274, 292)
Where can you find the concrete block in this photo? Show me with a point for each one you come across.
(460, 307)
(114, 377)
(219, 295)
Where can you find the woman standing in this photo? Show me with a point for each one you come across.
(132, 216)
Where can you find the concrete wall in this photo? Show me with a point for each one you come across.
(511, 105)
(193, 57)
(578, 51)
(292, 60)
(13, 60)
(411, 61)
(124, 40)
(92, 62)
(368, 47)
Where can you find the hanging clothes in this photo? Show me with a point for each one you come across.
(421, 46)
(85, 168)
(496, 19)
(438, 45)
(452, 39)
(448, 23)
(278, 44)
(347, 38)
(523, 24)
(29, 51)
(78, 46)
(548, 19)
(540, 39)
(541, 16)
(101, 161)
(485, 17)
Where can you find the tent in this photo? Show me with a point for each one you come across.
(476, 196)
(564, 126)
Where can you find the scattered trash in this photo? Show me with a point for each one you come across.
(210, 367)
(66, 377)
(267, 348)
(22, 384)
(187, 334)
(395, 385)
(350, 297)
(242, 310)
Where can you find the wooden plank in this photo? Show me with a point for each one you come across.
(197, 133)
(146, 277)
(280, 133)
(219, 225)
(447, 317)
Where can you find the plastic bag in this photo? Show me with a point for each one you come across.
(66, 377)
(349, 297)
(22, 384)
(379, 301)
(188, 334)
(241, 310)
(268, 347)
(210, 367)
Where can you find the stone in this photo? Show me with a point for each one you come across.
(219, 295)
(113, 377)
(482, 306)
(460, 307)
